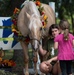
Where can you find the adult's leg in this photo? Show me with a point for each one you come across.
(59, 69)
(56, 69)
(42, 52)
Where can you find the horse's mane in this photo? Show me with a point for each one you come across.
(31, 6)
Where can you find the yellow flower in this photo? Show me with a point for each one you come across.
(14, 30)
(12, 26)
(44, 17)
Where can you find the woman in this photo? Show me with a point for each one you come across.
(51, 65)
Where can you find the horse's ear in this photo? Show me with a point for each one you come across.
(28, 15)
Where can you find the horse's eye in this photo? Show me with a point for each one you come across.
(40, 28)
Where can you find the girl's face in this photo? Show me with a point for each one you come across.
(55, 32)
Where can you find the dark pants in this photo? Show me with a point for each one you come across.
(66, 67)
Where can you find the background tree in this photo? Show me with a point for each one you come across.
(65, 9)
(7, 6)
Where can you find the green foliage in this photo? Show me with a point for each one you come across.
(65, 9)
(3, 72)
(7, 6)
(45, 1)
(4, 7)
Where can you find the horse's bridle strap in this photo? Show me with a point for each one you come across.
(36, 39)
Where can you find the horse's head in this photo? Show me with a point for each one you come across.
(35, 33)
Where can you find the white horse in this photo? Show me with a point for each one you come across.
(29, 24)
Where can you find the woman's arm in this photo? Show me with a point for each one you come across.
(55, 45)
(52, 59)
(42, 51)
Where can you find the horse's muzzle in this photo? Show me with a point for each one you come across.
(35, 44)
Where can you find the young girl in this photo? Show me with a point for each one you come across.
(64, 42)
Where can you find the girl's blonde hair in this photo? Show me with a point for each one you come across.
(64, 25)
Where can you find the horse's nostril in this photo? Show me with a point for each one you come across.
(35, 48)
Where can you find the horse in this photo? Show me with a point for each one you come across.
(29, 24)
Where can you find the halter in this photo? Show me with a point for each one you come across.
(37, 40)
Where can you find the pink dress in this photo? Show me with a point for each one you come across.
(65, 48)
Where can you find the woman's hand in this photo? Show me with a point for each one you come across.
(52, 59)
(42, 51)
(45, 67)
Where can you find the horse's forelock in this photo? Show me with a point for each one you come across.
(35, 16)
